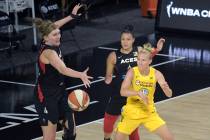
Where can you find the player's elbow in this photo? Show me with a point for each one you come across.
(122, 92)
(169, 93)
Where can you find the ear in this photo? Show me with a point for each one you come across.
(45, 38)
(150, 61)
(133, 39)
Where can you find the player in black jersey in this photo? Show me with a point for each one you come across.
(118, 62)
(50, 95)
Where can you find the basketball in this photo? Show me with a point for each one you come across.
(78, 100)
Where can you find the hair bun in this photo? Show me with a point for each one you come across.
(129, 28)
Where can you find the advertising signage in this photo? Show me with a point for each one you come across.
(183, 15)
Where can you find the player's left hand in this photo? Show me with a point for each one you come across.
(85, 78)
(76, 8)
(143, 97)
(160, 43)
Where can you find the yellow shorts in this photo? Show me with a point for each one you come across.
(127, 124)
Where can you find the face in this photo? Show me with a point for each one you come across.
(127, 41)
(143, 61)
(53, 38)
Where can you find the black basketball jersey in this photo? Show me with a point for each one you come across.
(49, 79)
(124, 62)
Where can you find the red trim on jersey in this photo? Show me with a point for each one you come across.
(42, 66)
(40, 94)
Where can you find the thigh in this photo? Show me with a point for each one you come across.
(52, 110)
(153, 122)
(47, 111)
(128, 125)
(164, 132)
(49, 131)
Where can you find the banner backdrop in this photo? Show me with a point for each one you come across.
(183, 15)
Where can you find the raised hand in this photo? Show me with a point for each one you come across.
(76, 8)
(160, 43)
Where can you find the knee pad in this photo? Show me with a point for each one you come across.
(69, 131)
(68, 135)
(134, 135)
(109, 121)
(70, 126)
(107, 139)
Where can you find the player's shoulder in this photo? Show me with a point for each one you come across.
(158, 73)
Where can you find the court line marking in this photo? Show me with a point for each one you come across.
(102, 79)
(33, 85)
(96, 81)
(159, 54)
(170, 99)
(99, 80)
(155, 65)
(17, 83)
(22, 117)
(100, 121)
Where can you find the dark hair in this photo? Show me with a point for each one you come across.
(128, 29)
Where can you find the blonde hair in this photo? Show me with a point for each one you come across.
(44, 26)
(146, 49)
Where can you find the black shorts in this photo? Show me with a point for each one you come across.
(116, 101)
(52, 108)
(115, 105)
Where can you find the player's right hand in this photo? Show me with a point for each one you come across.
(143, 97)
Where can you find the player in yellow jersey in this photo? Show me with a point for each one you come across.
(139, 86)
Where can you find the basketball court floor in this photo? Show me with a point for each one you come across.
(185, 63)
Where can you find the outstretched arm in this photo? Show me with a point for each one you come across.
(163, 84)
(66, 19)
(51, 57)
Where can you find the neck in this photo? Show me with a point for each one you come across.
(126, 51)
(144, 72)
(50, 44)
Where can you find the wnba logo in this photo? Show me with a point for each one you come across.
(145, 91)
(169, 8)
(179, 11)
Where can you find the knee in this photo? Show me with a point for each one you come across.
(134, 135)
(120, 136)
(109, 121)
(168, 137)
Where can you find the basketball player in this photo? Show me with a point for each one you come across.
(119, 62)
(50, 95)
(139, 88)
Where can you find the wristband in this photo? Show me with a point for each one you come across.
(154, 52)
(74, 16)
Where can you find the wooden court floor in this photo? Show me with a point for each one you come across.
(187, 116)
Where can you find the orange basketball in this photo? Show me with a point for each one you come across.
(78, 100)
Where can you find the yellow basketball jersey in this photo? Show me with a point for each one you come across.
(147, 84)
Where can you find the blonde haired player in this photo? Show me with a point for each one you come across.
(139, 86)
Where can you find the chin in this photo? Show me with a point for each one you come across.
(126, 47)
(58, 44)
